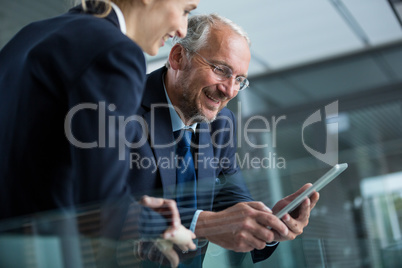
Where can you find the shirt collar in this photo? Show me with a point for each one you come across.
(120, 17)
(177, 123)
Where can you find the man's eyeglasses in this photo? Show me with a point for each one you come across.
(223, 72)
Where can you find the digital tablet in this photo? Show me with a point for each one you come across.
(318, 185)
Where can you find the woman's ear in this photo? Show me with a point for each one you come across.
(147, 2)
(177, 57)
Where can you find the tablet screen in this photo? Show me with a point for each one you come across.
(318, 185)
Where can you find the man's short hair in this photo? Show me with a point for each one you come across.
(198, 30)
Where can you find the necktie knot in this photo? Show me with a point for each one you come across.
(183, 138)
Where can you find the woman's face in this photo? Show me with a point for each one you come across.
(163, 19)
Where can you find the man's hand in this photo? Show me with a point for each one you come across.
(242, 227)
(298, 219)
(152, 251)
(250, 225)
(165, 207)
(181, 237)
(176, 234)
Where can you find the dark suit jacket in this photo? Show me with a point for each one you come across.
(51, 67)
(219, 180)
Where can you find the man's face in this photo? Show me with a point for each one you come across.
(202, 94)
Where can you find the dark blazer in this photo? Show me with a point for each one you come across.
(219, 185)
(66, 80)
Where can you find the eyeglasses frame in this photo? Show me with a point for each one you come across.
(224, 77)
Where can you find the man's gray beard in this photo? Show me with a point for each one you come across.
(192, 114)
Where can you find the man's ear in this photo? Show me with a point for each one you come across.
(177, 57)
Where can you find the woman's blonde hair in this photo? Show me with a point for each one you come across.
(104, 7)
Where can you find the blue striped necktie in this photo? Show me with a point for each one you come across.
(186, 184)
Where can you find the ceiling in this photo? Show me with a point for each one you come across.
(294, 32)
(309, 51)
(350, 77)
(303, 51)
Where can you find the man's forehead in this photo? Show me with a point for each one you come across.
(225, 46)
(224, 38)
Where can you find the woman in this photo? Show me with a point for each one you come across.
(70, 87)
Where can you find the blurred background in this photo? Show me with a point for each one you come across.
(340, 60)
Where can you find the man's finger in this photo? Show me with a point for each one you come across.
(166, 207)
(273, 222)
(172, 256)
(182, 237)
(259, 206)
(175, 215)
(151, 202)
(167, 250)
(314, 199)
(298, 192)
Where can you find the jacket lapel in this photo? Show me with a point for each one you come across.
(205, 168)
(158, 120)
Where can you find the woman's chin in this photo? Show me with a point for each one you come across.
(152, 52)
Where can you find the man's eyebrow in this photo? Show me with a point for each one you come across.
(218, 62)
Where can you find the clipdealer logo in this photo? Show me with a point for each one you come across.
(330, 156)
(112, 133)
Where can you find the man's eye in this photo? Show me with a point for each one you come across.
(220, 71)
(240, 79)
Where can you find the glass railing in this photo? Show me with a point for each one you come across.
(21, 246)
(315, 253)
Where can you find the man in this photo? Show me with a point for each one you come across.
(205, 70)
